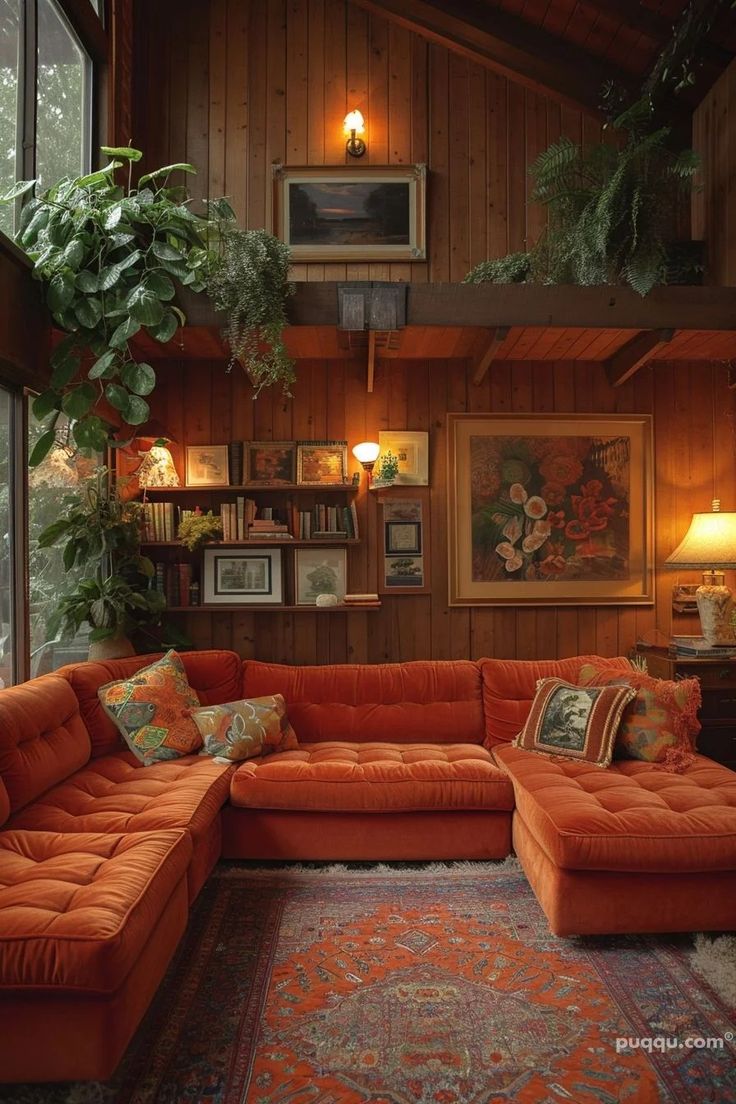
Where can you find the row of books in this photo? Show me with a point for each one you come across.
(160, 521)
(698, 647)
(175, 581)
(340, 522)
(243, 520)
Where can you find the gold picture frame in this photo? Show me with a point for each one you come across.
(322, 463)
(550, 509)
(207, 466)
(346, 213)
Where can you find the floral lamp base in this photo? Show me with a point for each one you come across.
(715, 606)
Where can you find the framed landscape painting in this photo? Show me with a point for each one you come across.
(242, 578)
(549, 509)
(371, 213)
(269, 463)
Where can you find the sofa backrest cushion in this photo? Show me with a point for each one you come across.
(509, 686)
(420, 702)
(215, 676)
(4, 803)
(43, 738)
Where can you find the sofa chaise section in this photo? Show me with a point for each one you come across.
(390, 765)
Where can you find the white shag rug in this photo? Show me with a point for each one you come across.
(714, 958)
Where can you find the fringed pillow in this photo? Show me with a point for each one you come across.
(661, 723)
(575, 722)
(244, 729)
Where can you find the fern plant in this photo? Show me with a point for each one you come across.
(250, 283)
(515, 268)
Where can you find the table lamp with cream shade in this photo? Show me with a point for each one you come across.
(710, 546)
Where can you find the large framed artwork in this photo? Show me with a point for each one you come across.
(242, 578)
(371, 213)
(548, 509)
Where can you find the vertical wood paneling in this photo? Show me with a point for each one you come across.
(714, 204)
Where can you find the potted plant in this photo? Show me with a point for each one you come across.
(101, 533)
(108, 253)
(249, 283)
(197, 529)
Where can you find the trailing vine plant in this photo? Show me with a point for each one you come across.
(108, 253)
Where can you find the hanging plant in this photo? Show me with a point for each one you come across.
(249, 283)
(108, 254)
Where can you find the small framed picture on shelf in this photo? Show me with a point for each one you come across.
(207, 466)
(403, 550)
(247, 577)
(269, 463)
(403, 537)
(319, 463)
(411, 449)
(320, 571)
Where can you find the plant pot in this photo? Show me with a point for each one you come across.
(112, 647)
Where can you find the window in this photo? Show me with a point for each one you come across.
(11, 39)
(63, 99)
(7, 573)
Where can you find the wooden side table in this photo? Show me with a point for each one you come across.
(717, 715)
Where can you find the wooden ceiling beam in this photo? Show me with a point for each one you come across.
(488, 352)
(627, 360)
(508, 44)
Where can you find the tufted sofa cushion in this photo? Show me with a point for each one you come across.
(4, 803)
(77, 910)
(215, 676)
(420, 702)
(42, 738)
(630, 817)
(509, 686)
(373, 777)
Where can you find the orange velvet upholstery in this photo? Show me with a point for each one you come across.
(630, 817)
(215, 676)
(404, 702)
(116, 794)
(43, 739)
(509, 686)
(373, 778)
(4, 803)
(75, 910)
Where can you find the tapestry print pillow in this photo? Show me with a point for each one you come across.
(574, 721)
(661, 723)
(243, 729)
(152, 710)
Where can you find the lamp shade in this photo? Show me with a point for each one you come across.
(709, 542)
(366, 452)
(354, 122)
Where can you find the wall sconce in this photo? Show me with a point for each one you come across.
(157, 467)
(367, 454)
(354, 125)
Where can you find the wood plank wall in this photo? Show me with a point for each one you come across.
(714, 205)
(695, 453)
(235, 85)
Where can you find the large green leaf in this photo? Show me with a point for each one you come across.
(102, 364)
(166, 328)
(42, 448)
(88, 312)
(79, 401)
(145, 307)
(44, 403)
(127, 329)
(74, 253)
(20, 188)
(61, 292)
(166, 252)
(160, 284)
(50, 535)
(139, 378)
(63, 350)
(89, 433)
(127, 152)
(113, 216)
(137, 411)
(93, 180)
(180, 166)
(117, 396)
(87, 282)
(64, 372)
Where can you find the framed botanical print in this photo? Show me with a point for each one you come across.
(403, 553)
(411, 449)
(320, 571)
(550, 509)
(321, 462)
(207, 466)
(269, 463)
(250, 577)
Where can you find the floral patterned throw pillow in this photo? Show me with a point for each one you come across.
(243, 729)
(661, 723)
(574, 721)
(152, 710)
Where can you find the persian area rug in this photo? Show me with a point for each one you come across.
(415, 986)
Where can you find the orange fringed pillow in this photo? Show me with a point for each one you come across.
(661, 723)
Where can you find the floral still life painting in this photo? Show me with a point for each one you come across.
(558, 511)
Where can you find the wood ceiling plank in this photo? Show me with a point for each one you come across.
(629, 359)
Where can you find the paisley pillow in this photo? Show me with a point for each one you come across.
(575, 722)
(152, 710)
(661, 723)
(243, 729)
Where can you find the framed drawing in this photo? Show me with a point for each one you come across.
(320, 571)
(269, 463)
(321, 462)
(403, 554)
(248, 578)
(371, 213)
(549, 509)
(207, 466)
(411, 449)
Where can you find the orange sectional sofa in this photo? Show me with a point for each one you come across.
(100, 858)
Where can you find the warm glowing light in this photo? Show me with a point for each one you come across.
(709, 542)
(354, 122)
(366, 452)
(157, 468)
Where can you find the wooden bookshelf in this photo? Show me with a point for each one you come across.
(266, 608)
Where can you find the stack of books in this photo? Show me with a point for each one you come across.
(268, 528)
(173, 581)
(359, 600)
(698, 647)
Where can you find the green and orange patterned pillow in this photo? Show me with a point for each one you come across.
(661, 723)
(152, 710)
(244, 729)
